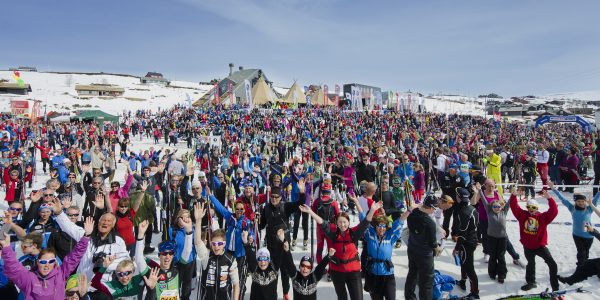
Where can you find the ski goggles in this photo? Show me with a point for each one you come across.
(381, 225)
(263, 258)
(46, 261)
(532, 207)
(216, 244)
(123, 274)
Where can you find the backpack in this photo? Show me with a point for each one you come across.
(510, 159)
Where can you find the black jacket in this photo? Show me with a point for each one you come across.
(464, 224)
(422, 229)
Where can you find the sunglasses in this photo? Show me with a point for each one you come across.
(305, 266)
(532, 207)
(496, 206)
(220, 243)
(114, 186)
(72, 215)
(165, 253)
(123, 274)
(46, 261)
(382, 225)
(71, 176)
(96, 182)
(15, 209)
(72, 293)
(239, 209)
(275, 196)
(48, 195)
(263, 258)
(196, 188)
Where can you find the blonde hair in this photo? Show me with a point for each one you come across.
(126, 263)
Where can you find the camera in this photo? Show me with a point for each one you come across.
(98, 260)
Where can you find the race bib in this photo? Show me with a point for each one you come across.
(169, 295)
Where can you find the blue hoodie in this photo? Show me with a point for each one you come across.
(580, 217)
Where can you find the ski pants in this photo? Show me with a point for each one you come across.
(384, 287)
(497, 251)
(304, 225)
(587, 269)
(321, 244)
(467, 268)
(544, 253)
(583, 246)
(352, 280)
(420, 271)
(186, 274)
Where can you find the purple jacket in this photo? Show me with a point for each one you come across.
(419, 181)
(32, 284)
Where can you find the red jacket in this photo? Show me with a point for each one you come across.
(533, 228)
(125, 227)
(346, 257)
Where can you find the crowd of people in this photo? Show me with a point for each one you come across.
(83, 201)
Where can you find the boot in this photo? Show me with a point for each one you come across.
(293, 246)
(529, 286)
(462, 284)
(305, 245)
(398, 244)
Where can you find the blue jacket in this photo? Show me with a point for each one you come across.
(234, 228)
(580, 217)
(405, 171)
(381, 251)
(57, 160)
(179, 237)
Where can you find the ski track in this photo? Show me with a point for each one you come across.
(561, 246)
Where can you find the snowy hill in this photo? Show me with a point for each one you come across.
(57, 90)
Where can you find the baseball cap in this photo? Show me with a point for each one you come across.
(306, 258)
(431, 201)
(532, 202)
(72, 282)
(166, 246)
(463, 194)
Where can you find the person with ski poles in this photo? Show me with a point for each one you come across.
(581, 213)
(219, 269)
(236, 223)
(275, 215)
(345, 267)
(534, 236)
(305, 280)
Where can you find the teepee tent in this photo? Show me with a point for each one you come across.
(295, 95)
(262, 93)
(315, 93)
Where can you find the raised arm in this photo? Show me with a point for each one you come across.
(70, 228)
(140, 259)
(306, 209)
(187, 244)
(477, 195)
(560, 196)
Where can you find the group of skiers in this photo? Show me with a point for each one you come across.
(230, 209)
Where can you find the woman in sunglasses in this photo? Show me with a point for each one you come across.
(305, 280)
(117, 192)
(345, 265)
(48, 280)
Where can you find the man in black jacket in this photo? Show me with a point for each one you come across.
(422, 246)
(464, 232)
(449, 182)
(364, 169)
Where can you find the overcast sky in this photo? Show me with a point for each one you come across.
(467, 47)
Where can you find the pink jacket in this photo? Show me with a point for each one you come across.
(36, 287)
(122, 192)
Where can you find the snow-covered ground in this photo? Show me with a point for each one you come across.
(560, 244)
(58, 92)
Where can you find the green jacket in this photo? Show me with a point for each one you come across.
(146, 209)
